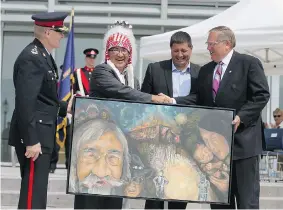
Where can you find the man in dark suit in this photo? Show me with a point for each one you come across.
(237, 81)
(175, 78)
(114, 79)
(33, 124)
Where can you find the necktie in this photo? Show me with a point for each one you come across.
(217, 79)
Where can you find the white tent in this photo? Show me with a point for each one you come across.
(258, 26)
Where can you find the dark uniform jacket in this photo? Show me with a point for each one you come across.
(36, 102)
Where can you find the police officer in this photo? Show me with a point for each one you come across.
(82, 75)
(33, 123)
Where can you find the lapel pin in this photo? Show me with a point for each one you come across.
(230, 71)
(43, 54)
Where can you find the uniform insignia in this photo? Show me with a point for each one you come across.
(34, 50)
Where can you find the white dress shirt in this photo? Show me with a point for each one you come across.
(181, 81)
(225, 64)
(119, 74)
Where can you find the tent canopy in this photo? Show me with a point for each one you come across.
(258, 27)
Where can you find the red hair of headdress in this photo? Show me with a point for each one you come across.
(118, 40)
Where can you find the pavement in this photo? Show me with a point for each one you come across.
(271, 193)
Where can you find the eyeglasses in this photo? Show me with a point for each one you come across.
(212, 44)
(91, 155)
(117, 50)
(58, 31)
(277, 116)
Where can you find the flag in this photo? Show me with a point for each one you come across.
(66, 82)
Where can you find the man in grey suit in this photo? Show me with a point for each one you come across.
(175, 78)
(114, 79)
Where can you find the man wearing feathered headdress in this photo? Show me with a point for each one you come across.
(114, 78)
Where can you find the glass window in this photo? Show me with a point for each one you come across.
(10, 53)
(13, 44)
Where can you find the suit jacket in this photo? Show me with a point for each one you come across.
(36, 103)
(105, 83)
(244, 88)
(158, 79)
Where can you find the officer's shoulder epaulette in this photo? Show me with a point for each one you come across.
(34, 50)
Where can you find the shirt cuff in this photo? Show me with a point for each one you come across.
(174, 101)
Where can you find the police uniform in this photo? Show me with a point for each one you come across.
(35, 114)
(82, 75)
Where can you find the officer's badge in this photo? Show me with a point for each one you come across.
(34, 50)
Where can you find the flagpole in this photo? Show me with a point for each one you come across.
(65, 92)
(71, 28)
(72, 15)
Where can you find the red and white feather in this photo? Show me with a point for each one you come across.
(122, 37)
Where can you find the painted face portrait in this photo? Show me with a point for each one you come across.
(216, 143)
(202, 154)
(181, 175)
(133, 188)
(102, 159)
(100, 163)
(92, 112)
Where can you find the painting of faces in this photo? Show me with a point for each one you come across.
(150, 151)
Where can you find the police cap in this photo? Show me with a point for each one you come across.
(53, 20)
(91, 52)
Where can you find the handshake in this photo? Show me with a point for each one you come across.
(161, 98)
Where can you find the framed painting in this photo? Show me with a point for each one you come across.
(150, 151)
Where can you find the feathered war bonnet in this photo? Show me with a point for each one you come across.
(121, 35)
